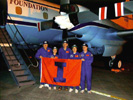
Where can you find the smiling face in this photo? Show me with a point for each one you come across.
(84, 48)
(65, 45)
(74, 49)
(45, 46)
(54, 51)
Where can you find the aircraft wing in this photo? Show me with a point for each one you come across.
(126, 35)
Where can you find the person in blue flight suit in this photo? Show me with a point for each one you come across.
(55, 56)
(44, 51)
(86, 70)
(64, 53)
(74, 55)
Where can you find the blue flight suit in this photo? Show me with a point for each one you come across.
(53, 56)
(86, 70)
(63, 54)
(44, 53)
(75, 56)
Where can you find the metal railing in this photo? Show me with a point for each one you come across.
(15, 33)
(1, 41)
(9, 45)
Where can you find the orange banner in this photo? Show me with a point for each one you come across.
(63, 72)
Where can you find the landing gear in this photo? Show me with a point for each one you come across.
(119, 64)
(111, 63)
(115, 62)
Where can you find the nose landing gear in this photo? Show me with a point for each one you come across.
(115, 63)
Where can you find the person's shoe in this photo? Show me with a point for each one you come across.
(66, 89)
(89, 92)
(49, 88)
(76, 90)
(54, 87)
(82, 91)
(60, 88)
(41, 86)
(46, 85)
(70, 90)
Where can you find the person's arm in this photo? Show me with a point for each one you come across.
(82, 58)
(89, 58)
(70, 57)
(38, 54)
(79, 57)
(70, 52)
(50, 53)
(50, 56)
(60, 53)
(92, 58)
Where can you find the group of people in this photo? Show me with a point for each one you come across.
(66, 53)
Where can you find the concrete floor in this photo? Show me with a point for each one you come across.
(105, 81)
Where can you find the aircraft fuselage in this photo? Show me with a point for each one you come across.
(26, 14)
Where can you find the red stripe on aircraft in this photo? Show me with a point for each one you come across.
(38, 24)
(102, 13)
(119, 9)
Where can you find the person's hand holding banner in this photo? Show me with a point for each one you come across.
(64, 72)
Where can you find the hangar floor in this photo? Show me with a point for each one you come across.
(104, 83)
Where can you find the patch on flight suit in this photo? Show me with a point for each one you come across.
(82, 55)
(67, 51)
(56, 57)
(48, 50)
(76, 56)
(87, 55)
(71, 56)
